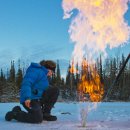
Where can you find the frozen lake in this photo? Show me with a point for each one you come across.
(106, 116)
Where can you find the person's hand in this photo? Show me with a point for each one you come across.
(27, 103)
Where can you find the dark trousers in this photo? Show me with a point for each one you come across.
(39, 107)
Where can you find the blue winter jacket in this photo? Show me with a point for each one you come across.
(35, 82)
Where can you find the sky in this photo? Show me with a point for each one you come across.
(32, 30)
(29, 25)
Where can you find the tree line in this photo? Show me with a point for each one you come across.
(11, 81)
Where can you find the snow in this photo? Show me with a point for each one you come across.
(107, 116)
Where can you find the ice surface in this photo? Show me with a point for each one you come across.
(107, 116)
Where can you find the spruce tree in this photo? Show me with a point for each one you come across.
(77, 75)
(12, 72)
(101, 71)
(1, 82)
(7, 75)
(11, 88)
(58, 75)
(123, 80)
(1, 75)
(19, 76)
(68, 77)
(58, 71)
(3, 85)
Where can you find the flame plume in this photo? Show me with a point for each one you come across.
(97, 24)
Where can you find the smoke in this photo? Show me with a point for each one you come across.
(96, 25)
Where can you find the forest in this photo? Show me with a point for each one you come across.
(10, 80)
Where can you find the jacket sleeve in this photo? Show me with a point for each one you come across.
(27, 83)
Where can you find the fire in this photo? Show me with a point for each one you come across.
(72, 69)
(90, 87)
(96, 25)
(97, 2)
(90, 84)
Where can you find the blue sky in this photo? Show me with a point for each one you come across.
(34, 29)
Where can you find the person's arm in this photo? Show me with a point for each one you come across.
(27, 83)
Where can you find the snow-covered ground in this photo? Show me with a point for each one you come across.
(107, 116)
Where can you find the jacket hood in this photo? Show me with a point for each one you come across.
(36, 65)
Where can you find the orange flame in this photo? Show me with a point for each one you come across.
(90, 84)
(73, 69)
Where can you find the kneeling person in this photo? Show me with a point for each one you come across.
(36, 96)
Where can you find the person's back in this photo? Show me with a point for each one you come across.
(35, 82)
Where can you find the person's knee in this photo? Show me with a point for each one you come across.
(37, 114)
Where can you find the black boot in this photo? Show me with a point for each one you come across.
(12, 114)
(46, 113)
(49, 117)
(9, 116)
(16, 109)
(49, 98)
